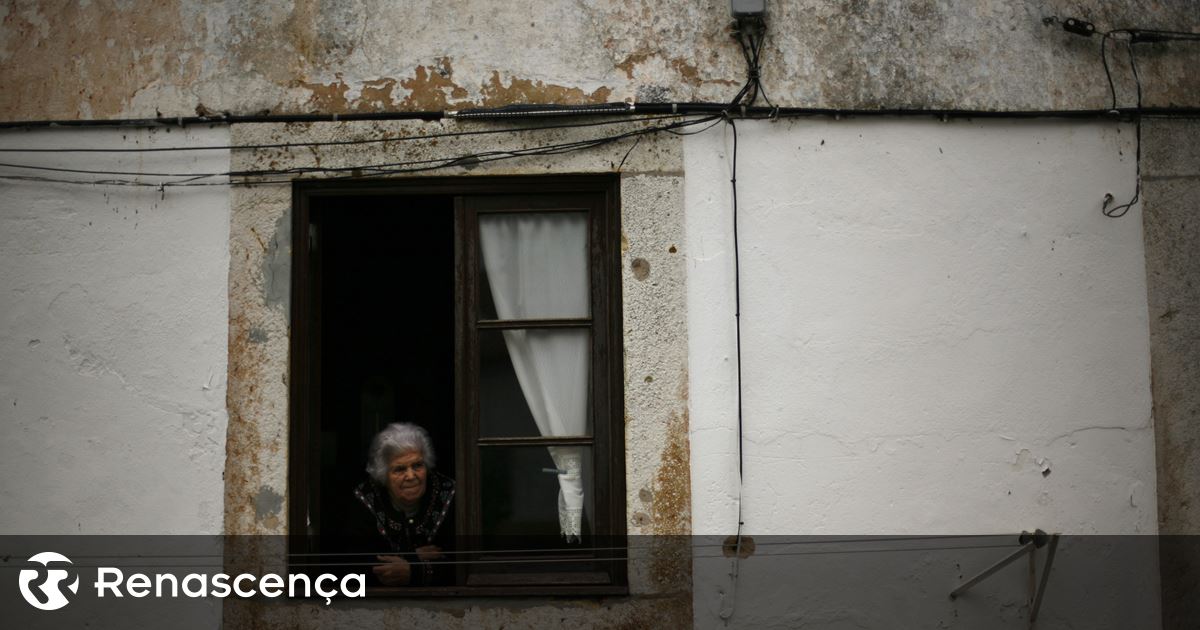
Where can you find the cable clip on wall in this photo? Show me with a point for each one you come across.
(1029, 544)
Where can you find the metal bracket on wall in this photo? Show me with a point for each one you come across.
(1029, 543)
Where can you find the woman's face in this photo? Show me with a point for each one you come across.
(406, 478)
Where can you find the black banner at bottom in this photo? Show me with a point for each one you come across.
(876, 581)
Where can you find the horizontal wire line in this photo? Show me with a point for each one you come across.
(335, 143)
(356, 171)
(758, 543)
(527, 561)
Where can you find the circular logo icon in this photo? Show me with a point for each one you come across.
(47, 582)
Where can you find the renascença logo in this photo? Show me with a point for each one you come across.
(112, 581)
(54, 598)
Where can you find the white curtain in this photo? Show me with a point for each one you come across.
(537, 268)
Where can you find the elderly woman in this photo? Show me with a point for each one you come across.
(407, 515)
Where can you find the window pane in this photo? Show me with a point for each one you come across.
(533, 265)
(529, 506)
(536, 497)
(535, 382)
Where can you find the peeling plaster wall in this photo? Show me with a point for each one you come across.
(941, 334)
(1011, 393)
(657, 463)
(113, 336)
(1171, 186)
(109, 58)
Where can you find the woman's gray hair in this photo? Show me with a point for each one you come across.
(394, 439)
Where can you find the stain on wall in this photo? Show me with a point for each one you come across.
(1171, 186)
(257, 392)
(108, 59)
(267, 504)
(277, 265)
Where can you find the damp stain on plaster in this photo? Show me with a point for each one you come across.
(115, 58)
(630, 62)
(258, 335)
(690, 74)
(743, 548)
(376, 95)
(641, 268)
(668, 500)
(277, 265)
(97, 55)
(687, 72)
(267, 504)
(433, 88)
(243, 445)
(496, 94)
(670, 515)
(671, 507)
(326, 97)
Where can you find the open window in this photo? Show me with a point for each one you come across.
(486, 310)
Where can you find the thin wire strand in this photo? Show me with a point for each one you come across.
(336, 143)
(1117, 212)
(627, 153)
(410, 166)
(318, 169)
(735, 570)
(649, 555)
(766, 542)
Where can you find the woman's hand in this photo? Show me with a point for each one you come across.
(395, 571)
(429, 553)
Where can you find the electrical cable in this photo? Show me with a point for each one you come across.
(627, 153)
(751, 50)
(767, 542)
(1132, 36)
(1117, 212)
(649, 554)
(737, 302)
(727, 612)
(337, 143)
(716, 121)
(659, 111)
(750, 32)
(410, 166)
(1112, 88)
(224, 119)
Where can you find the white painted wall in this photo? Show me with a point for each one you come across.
(113, 333)
(933, 315)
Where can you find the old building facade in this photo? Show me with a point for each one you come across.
(920, 320)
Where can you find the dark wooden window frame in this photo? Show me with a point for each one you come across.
(599, 195)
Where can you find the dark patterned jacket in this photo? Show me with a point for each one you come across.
(378, 527)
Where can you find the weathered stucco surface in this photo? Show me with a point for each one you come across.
(941, 334)
(656, 426)
(924, 302)
(112, 333)
(111, 58)
(90, 327)
(1171, 185)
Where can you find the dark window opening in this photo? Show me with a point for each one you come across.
(487, 311)
(387, 327)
